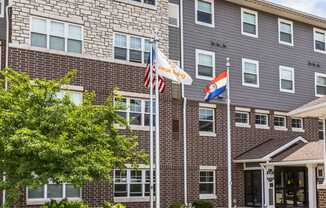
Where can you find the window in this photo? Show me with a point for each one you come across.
(320, 40)
(253, 188)
(2, 8)
(286, 79)
(206, 120)
(320, 174)
(131, 48)
(174, 15)
(250, 73)
(205, 61)
(297, 124)
(136, 111)
(207, 183)
(249, 22)
(320, 84)
(149, 2)
(205, 12)
(279, 122)
(56, 35)
(242, 118)
(285, 29)
(75, 97)
(321, 129)
(53, 191)
(132, 183)
(261, 120)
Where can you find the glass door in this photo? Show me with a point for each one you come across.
(253, 188)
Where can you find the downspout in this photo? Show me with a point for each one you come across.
(184, 110)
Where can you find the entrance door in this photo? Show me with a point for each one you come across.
(291, 187)
(253, 188)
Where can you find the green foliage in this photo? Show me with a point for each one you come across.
(43, 137)
(110, 205)
(177, 205)
(65, 204)
(202, 204)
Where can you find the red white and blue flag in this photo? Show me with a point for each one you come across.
(216, 86)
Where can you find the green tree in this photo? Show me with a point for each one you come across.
(43, 137)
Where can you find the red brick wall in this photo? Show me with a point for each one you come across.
(321, 194)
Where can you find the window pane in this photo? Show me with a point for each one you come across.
(249, 18)
(241, 117)
(37, 193)
(74, 96)
(120, 53)
(285, 37)
(250, 78)
(147, 106)
(204, 6)
(297, 123)
(74, 32)
(120, 176)
(286, 85)
(38, 25)
(206, 126)
(250, 68)
(321, 90)
(285, 28)
(204, 17)
(320, 41)
(286, 74)
(148, 45)
(57, 43)
(135, 43)
(120, 190)
(261, 119)
(54, 191)
(321, 81)
(249, 28)
(135, 105)
(135, 56)
(136, 176)
(57, 29)
(151, 2)
(74, 46)
(320, 36)
(279, 121)
(38, 40)
(206, 71)
(72, 191)
(207, 188)
(206, 114)
(120, 41)
(135, 189)
(205, 60)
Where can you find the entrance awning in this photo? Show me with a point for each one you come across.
(315, 109)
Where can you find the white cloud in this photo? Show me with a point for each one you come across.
(315, 7)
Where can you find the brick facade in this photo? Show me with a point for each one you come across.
(321, 196)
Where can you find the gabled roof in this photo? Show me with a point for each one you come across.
(282, 11)
(315, 108)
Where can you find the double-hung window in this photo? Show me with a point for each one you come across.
(297, 124)
(249, 22)
(131, 183)
(320, 84)
(136, 111)
(207, 183)
(75, 97)
(206, 120)
(2, 8)
(321, 129)
(50, 191)
(279, 122)
(320, 40)
(261, 120)
(205, 12)
(149, 2)
(250, 73)
(205, 61)
(285, 28)
(56, 35)
(242, 118)
(286, 79)
(173, 15)
(131, 48)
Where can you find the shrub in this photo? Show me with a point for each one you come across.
(65, 204)
(177, 205)
(110, 205)
(202, 204)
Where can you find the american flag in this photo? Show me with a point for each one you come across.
(161, 80)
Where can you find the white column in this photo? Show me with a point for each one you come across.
(312, 189)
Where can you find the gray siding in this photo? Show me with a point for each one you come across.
(174, 39)
(3, 24)
(265, 49)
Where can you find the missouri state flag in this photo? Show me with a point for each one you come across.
(216, 86)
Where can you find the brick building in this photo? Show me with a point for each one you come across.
(278, 64)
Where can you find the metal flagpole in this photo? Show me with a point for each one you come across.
(151, 129)
(229, 144)
(157, 131)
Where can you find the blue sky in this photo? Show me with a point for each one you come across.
(316, 7)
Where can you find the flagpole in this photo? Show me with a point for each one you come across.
(229, 142)
(157, 132)
(151, 130)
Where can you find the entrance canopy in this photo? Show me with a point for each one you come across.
(315, 109)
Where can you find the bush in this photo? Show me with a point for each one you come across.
(177, 205)
(65, 204)
(110, 205)
(202, 204)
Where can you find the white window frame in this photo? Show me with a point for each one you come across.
(247, 124)
(209, 53)
(2, 8)
(281, 68)
(128, 36)
(45, 199)
(315, 30)
(297, 129)
(245, 60)
(176, 6)
(261, 126)
(280, 20)
(129, 198)
(317, 74)
(142, 3)
(208, 169)
(212, 12)
(243, 10)
(280, 127)
(48, 34)
(208, 133)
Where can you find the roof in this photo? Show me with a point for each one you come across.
(315, 108)
(282, 11)
(266, 150)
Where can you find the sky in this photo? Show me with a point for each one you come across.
(315, 7)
